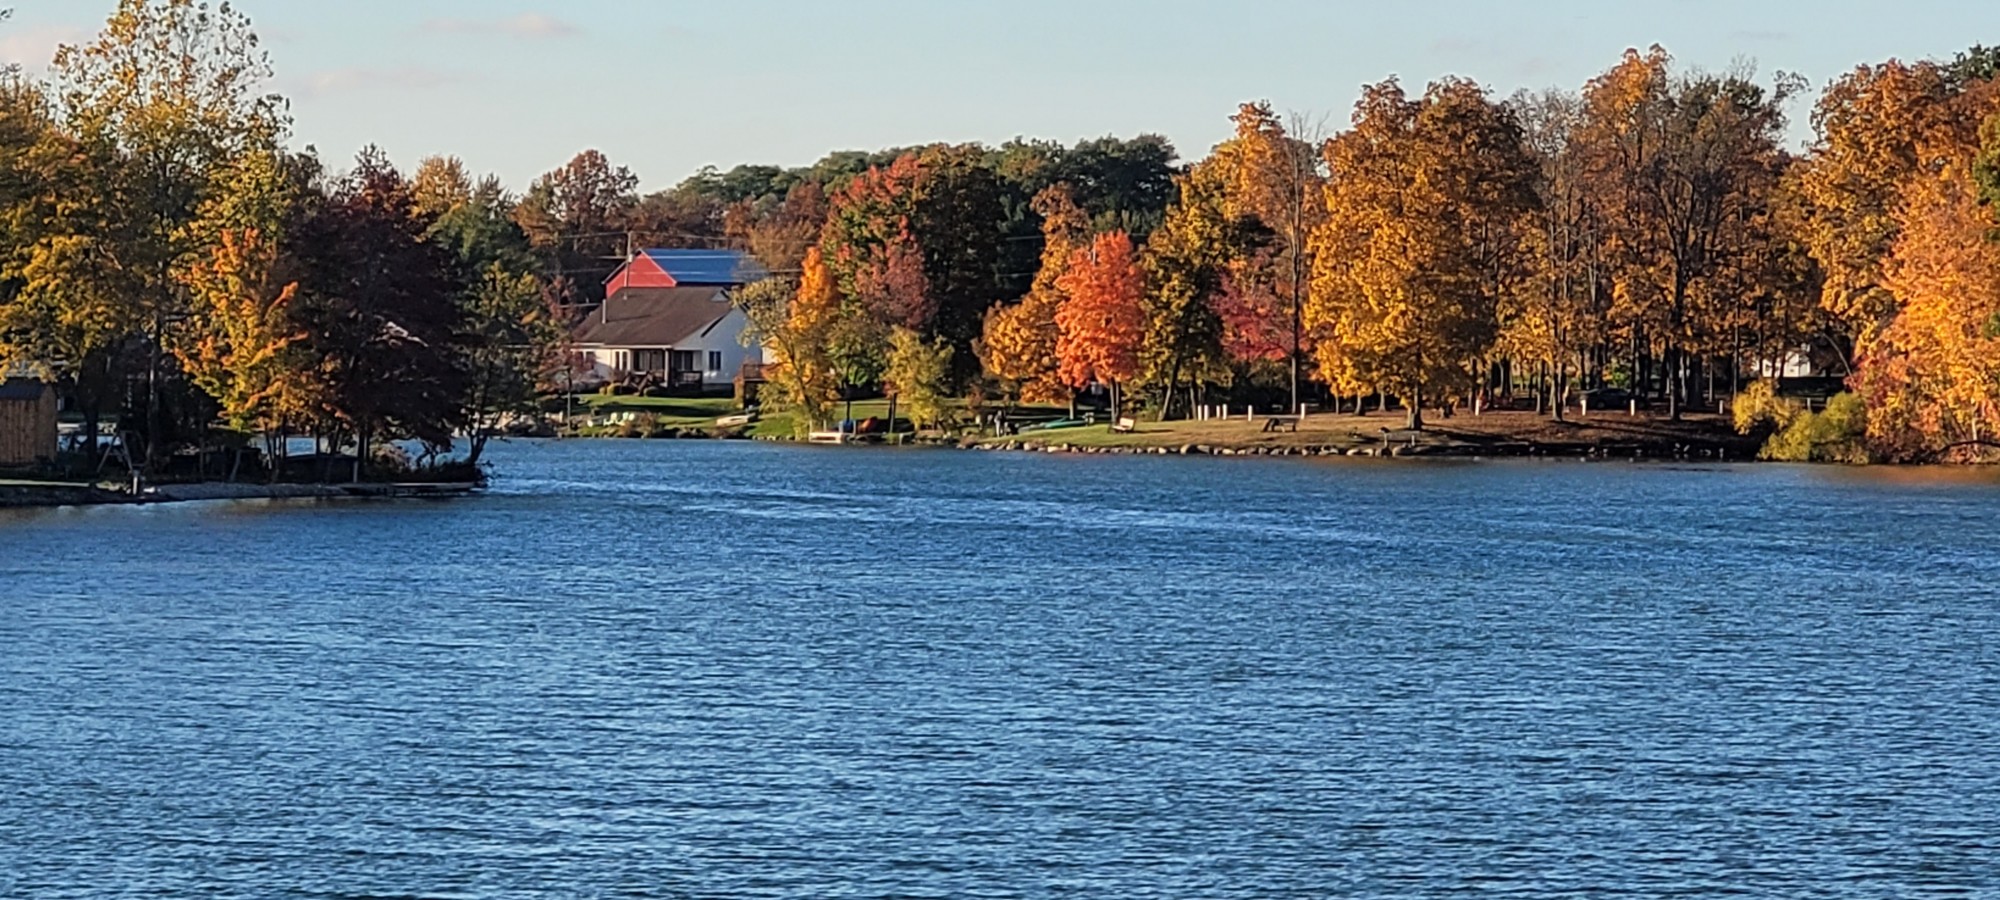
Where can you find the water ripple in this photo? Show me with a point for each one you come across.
(642, 669)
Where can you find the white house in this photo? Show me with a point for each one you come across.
(669, 314)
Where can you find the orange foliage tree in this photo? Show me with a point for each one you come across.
(1101, 323)
(1931, 377)
(240, 352)
(1874, 126)
(1686, 164)
(1019, 342)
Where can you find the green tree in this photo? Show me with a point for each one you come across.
(918, 376)
(508, 341)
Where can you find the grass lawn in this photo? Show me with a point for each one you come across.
(676, 412)
(780, 425)
(1348, 431)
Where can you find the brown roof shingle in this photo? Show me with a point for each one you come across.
(653, 317)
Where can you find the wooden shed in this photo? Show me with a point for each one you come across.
(27, 422)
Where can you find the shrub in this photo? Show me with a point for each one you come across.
(1837, 434)
(1758, 405)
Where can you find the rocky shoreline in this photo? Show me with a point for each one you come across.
(42, 495)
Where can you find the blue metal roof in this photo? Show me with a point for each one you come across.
(708, 267)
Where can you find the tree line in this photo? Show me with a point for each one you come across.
(1649, 230)
(167, 258)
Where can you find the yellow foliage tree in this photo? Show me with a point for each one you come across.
(917, 375)
(1556, 313)
(1425, 205)
(794, 324)
(1686, 166)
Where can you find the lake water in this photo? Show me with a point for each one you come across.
(707, 669)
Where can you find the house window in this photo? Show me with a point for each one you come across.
(715, 360)
(649, 361)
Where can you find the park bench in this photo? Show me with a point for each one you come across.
(1124, 426)
(1392, 435)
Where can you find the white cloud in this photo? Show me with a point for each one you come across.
(33, 48)
(527, 25)
(336, 81)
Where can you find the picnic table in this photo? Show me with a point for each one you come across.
(1282, 423)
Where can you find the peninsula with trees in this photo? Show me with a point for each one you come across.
(1640, 254)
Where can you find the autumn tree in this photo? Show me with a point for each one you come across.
(1101, 323)
(780, 237)
(1873, 125)
(1018, 345)
(244, 353)
(439, 185)
(1425, 205)
(1187, 262)
(1274, 174)
(67, 308)
(1683, 162)
(1556, 314)
(793, 321)
(869, 246)
(577, 218)
(1931, 378)
(921, 243)
(381, 309)
(167, 100)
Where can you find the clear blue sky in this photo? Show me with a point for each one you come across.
(666, 86)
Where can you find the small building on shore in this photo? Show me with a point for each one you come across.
(27, 422)
(669, 320)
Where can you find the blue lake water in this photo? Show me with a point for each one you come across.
(706, 669)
